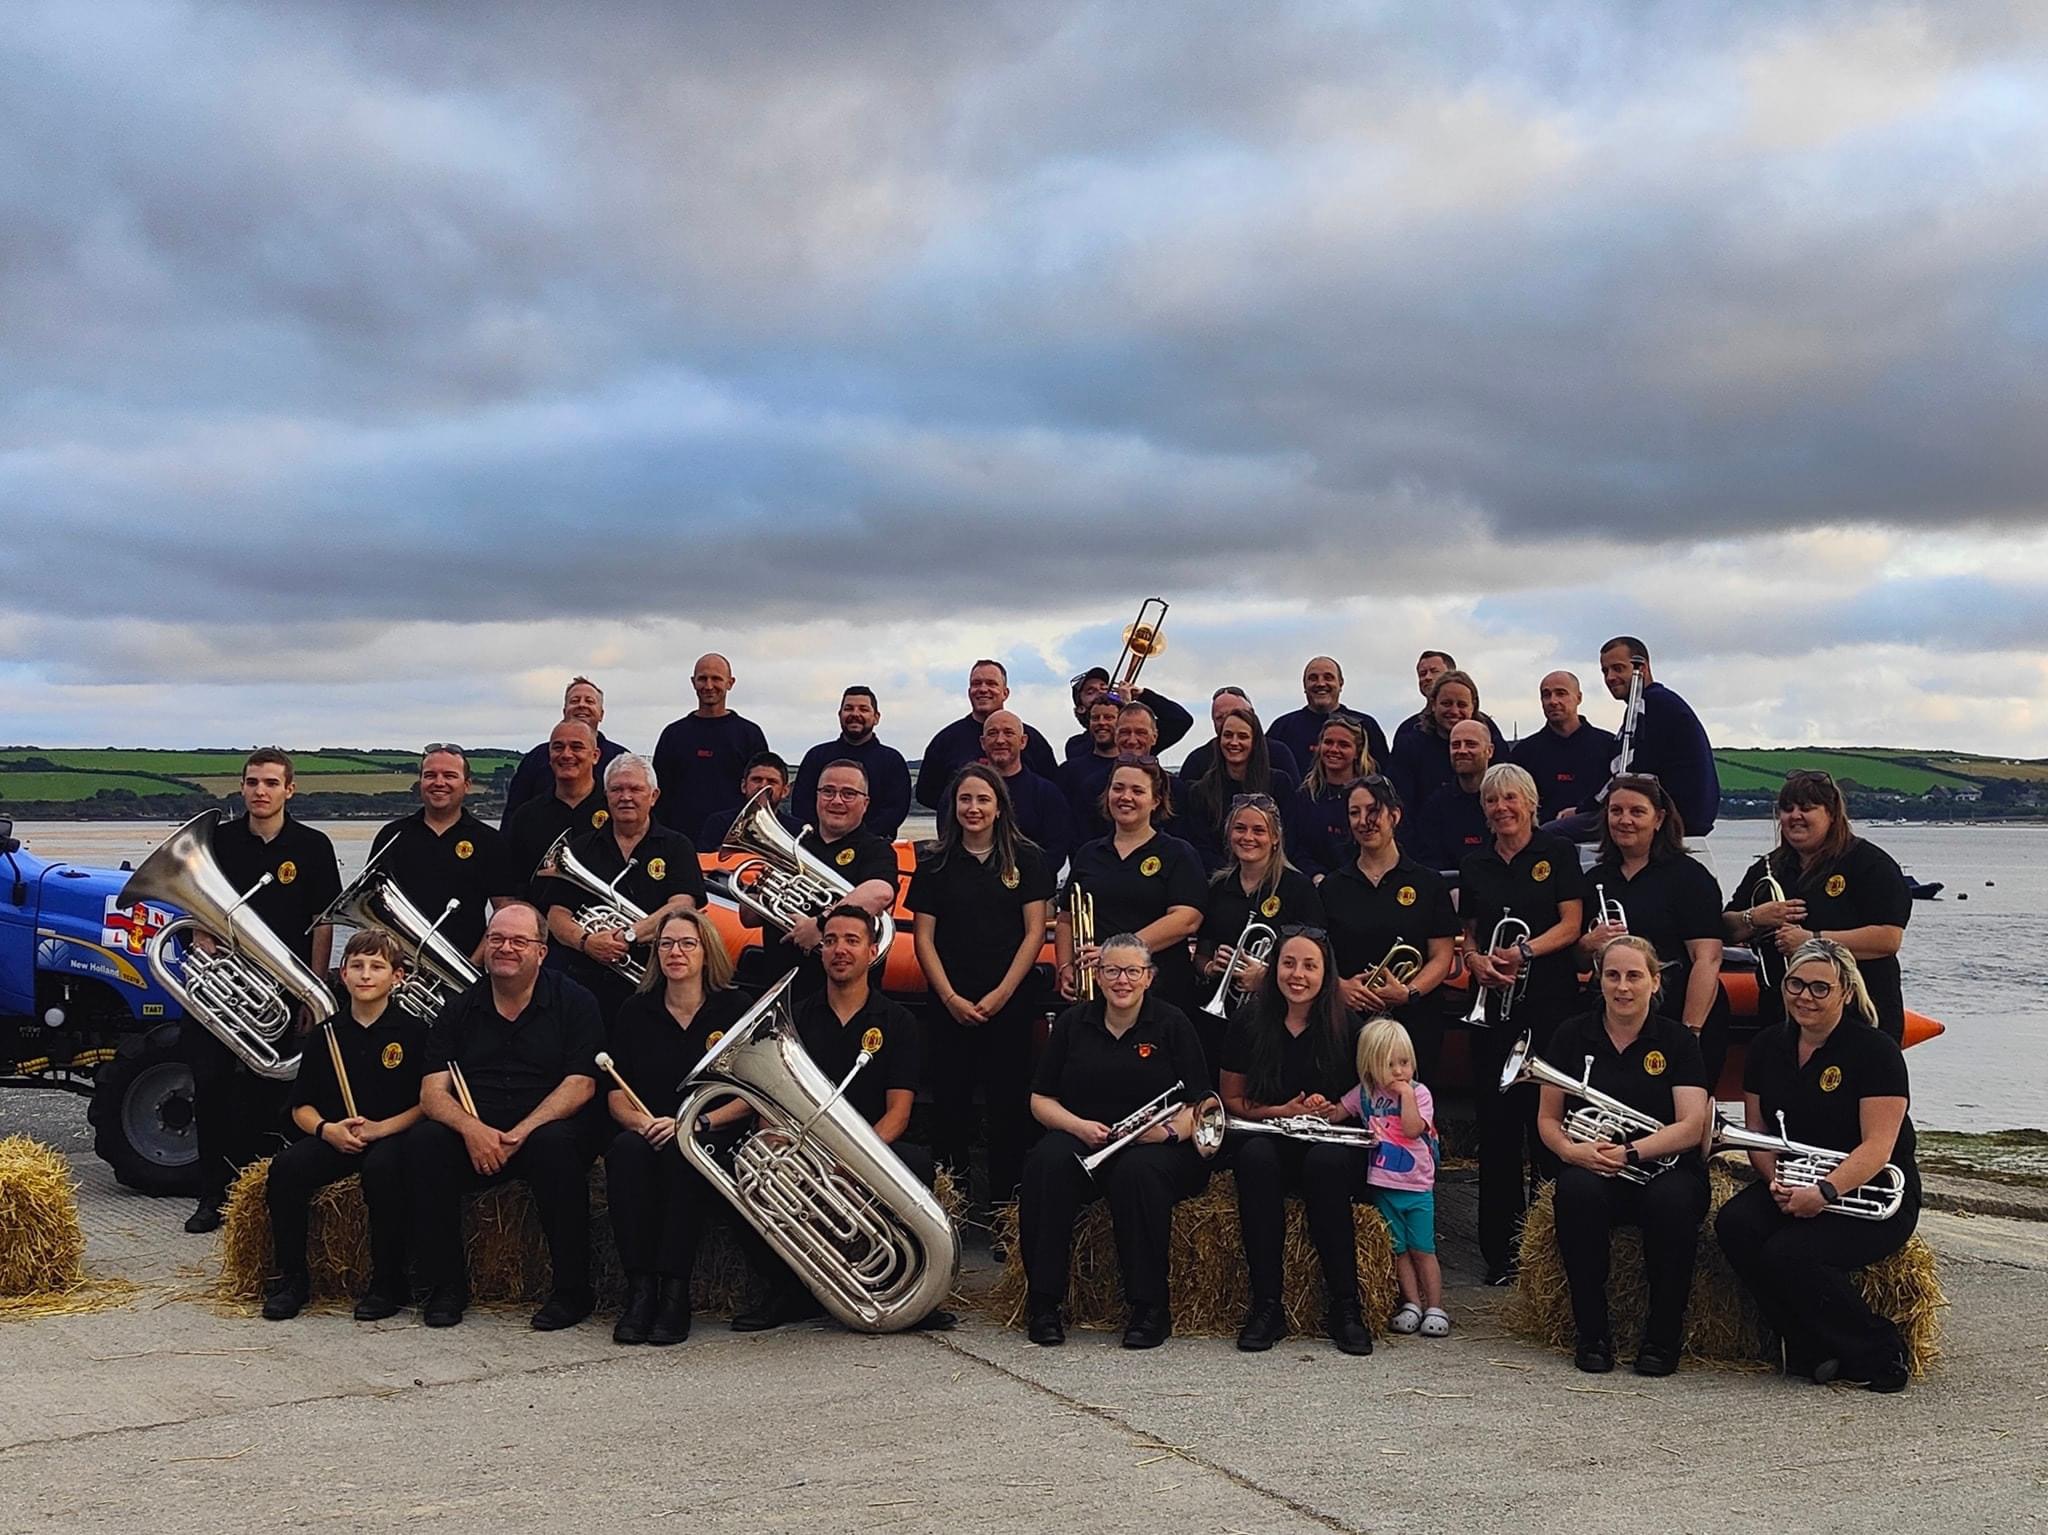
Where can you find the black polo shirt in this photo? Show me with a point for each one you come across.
(1135, 890)
(511, 1067)
(1450, 825)
(533, 830)
(1411, 903)
(1567, 769)
(534, 778)
(1227, 908)
(1095, 1075)
(1306, 1064)
(664, 866)
(654, 1052)
(1082, 780)
(470, 862)
(834, 1046)
(384, 1061)
(1865, 887)
(1208, 834)
(1664, 1054)
(1542, 877)
(699, 762)
(1672, 901)
(1822, 1100)
(856, 859)
(1319, 829)
(304, 877)
(977, 911)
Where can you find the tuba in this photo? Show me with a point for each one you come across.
(867, 1238)
(1801, 1167)
(781, 881)
(1254, 945)
(437, 970)
(609, 913)
(1142, 640)
(1503, 930)
(1598, 1117)
(244, 993)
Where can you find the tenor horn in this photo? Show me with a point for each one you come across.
(1800, 1167)
(246, 992)
(436, 970)
(1253, 947)
(1142, 640)
(1081, 920)
(781, 881)
(609, 913)
(1599, 1116)
(866, 1237)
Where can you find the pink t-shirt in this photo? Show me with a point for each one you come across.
(1398, 1162)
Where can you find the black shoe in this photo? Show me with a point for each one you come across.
(782, 1307)
(564, 1308)
(444, 1306)
(940, 1320)
(1890, 1376)
(1596, 1357)
(1653, 1359)
(1264, 1325)
(671, 1312)
(381, 1300)
(1148, 1327)
(637, 1315)
(1346, 1327)
(1044, 1326)
(204, 1219)
(285, 1297)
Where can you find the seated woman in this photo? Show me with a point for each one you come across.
(1840, 1084)
(1240, 766)
(659, 1203)
(1321, 825)
(1257, 885)
(1293, 1052)
(1651, 1062)
(1105, 1060)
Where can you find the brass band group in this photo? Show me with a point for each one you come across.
(1255, 963)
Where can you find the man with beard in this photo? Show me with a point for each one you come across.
(888, 776)
(1452, 822)
(765, 771)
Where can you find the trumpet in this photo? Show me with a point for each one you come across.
(1253, 947)
(1611, 913)
(1081, 917)
(1134, 1124)
(1401, 962)
(1598, 1118)
(609, 913)
(1770, 964)
(1504, 931)
(781, 881)
(1802, 1167)
(1142, 640)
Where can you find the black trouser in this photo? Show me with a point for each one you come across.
(1142, 1184)
(1507, 1130)
(660, 1206)
(237, 1116)
(1668, 1209)
(305, 1167)
(1328, 1179)
(552, 1163)
(1801, 1272)
(996, 1058)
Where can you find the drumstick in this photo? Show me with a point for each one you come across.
(348, 1098)
(605, 1061)
(462, 1090)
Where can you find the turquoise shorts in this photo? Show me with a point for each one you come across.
(1410, 1215)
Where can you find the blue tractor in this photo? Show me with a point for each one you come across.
(79, 1010)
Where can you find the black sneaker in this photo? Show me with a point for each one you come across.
(781, 1307)
(1653, 1359)
(444, 1306)
(285, 1297)
(671, 1322)
(636, 1318)
(1149, 1326)
(204, 1219)
(1596, 1357)
(1044, 1327)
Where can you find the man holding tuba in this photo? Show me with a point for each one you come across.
(232, 1109)
(864, 861)
(442, 853)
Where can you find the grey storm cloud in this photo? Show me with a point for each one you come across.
(394, 311)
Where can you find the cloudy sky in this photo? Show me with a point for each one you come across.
(370, 368)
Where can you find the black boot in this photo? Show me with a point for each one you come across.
(285, 1297)
(1346, 1327)
(1148, 1327)
(637, 1315)
(1043, 1323)
(206, 1217)
(672, 1312)
(785, 1303)
(1264, 1325)
(384, 1298)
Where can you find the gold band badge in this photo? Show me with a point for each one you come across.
(287, 872)
(465, 848)
(599, 817)
(1654, 1063)
(393, 1056)
(1270, 907)
(1405, 896)
(1150, 866)
(871, 1041)
(1836, 884)
(1831, 1079)
(1542, 870)
(657, 868)
(843, 857)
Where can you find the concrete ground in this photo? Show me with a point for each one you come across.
(166, 1415)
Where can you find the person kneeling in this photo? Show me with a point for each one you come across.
(378, 1050)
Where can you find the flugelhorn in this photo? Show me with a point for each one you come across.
(1210, 1130)
(1803, 1167)
(1401, 962)
(1504, 931)
(1610, 913)
(1254, 946)
(1142, 640)
(864, 1235)
(1770, 964)
(1599, 1116)
(246, 992)
(781, 881)
(609, 913)
(437, 970)
(1081, 927)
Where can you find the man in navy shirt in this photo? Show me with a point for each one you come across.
(1429, 666)
(988, 689)
(1322, 685)
(702, 755)
(767, 771)
(888, 776)
(1451, 822)
(1039, 804)
(533, 778)
(1670, 742)
(1568, 758)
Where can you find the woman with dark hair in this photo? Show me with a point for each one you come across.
(1241, 764)
(1257, 885)
(1836, 886)
(1294, 1052)
(1322, 820)
(1422, 761)
(980, 898)
(1668, 897)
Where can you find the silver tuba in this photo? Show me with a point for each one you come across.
(1801, 1166)
(781, 881)
(822, 1189)
(436, 970)
(247, 991)
(609, 913)
(1598, 1117)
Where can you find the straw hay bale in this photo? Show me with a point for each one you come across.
(1208, 1283)
(42, 1246)
(1722, 1323)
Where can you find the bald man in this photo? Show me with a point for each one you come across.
(988, 689)
(1322, 689)
(702, 755)
(1569, 757)
(1038, 804)
(1451, 822)
(581, 700)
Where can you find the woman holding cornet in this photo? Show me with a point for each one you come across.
(1825, 1078)
(1290, 1055)
(1258, 886)
(1631, 1158)
(1125, 1055)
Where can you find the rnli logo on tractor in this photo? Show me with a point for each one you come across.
(1836, 884)
(131, 927)
(1831, 1079)
(287, 872)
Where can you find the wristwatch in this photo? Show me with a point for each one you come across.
(1528, 954)
(703, 1125)
(1829, 1192)
(1172, 1135)
(1633, 1157)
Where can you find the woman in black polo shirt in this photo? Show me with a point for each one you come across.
(1837, 886)
(1670, 898)
(1258, 884)
(1322, 824)
(980, 897)
(1841, 1085)
(1534, 877)
(1105, 1060)
(1651, 1062)
(659, 1203)
(1142, 880)
(1240, 765)
(1293, 1051)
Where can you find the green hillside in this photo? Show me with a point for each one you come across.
(77, 786)
(52, 777)
(1894, 772)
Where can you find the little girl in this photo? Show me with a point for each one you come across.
(1402, 1179)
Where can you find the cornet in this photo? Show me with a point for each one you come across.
(1401, 962)
(1081, 920)
(1504, 932)
(1803, 1167)
(1599, 1118)
(1142, 640)
(1126, 1131)
(1254, 946)
(1611, 913)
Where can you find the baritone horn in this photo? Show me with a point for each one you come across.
(864, 1235)
(781, 881)
(1254, 946)
(1142, 640)
(246, 991)
(609, 913)
(1509, 929)
(1802, 1167)
(1598, 1117)
(436, 970)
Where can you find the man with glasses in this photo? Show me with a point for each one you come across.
(581, 700)
(988, 689)
(442, 853)
(525, 1041)
(1570, 757)
(702, 755)
(1093, 685)
(576, 803)
(888, 776)
(865, 862)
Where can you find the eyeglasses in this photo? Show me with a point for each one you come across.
(1820, 991)
(1138, 760)
(677, 945)
(443, 746)
(845, 794)
(500, 941)
(1253, 802)
(1122, 972)
(1810, 775)
(1303, 930)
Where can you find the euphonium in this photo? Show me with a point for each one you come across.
(1802, 1167)
(822, 1189)
(781, 881)
(609, 913)
(436, 969)
(1401, 962)
(245, 993)
(1770, 964)
(1142, 640)
(1503, 931)
(1599, 1118)
(1253, 947)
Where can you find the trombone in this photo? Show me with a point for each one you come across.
(1142, 640)
(1504, 932)
(1254, 946)
(1081, 923)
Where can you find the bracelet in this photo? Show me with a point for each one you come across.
(320, 1131)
